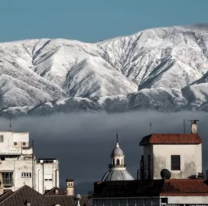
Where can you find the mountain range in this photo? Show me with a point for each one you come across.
(163, 69)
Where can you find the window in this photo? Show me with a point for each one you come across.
(48, 177)
(7, 179)
(164, 200)
(118, 162)
(26, 174)
(1, 138)
(175, 162)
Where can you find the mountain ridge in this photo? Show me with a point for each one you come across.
(126, 73)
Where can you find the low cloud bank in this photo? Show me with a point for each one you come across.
(83, 142)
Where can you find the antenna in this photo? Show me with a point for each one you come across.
(10, 123)
(150, 124)
(117, 136)
(184, 126)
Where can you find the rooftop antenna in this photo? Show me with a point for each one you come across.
(10, 123)
(194, 126)
(150, 124)
(184, 126)
(117, 145)
(116, 136)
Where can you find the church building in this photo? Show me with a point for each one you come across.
(117, 168)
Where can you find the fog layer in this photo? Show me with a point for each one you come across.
(83, 142)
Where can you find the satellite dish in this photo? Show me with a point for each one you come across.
(165, 174)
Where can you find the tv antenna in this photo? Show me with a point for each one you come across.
(184, 126)
(10, 123)
(150, 124)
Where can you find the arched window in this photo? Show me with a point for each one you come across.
(118, 162)
(113, 162)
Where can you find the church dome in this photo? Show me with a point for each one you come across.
(117, 175)
(117, 169)
(117, 151)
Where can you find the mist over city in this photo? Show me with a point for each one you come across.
(83, 142)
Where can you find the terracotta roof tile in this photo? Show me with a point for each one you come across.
(171, 139)
(190, 186)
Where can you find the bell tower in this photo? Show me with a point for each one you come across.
(117, 156)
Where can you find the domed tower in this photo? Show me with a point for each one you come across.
(117, 168)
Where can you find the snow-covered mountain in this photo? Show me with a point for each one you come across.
(163, 69)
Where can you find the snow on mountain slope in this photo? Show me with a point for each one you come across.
(162, 69)
(96, 78)
(151, 53)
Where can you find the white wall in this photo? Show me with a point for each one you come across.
(191, 160)
(186, 199)
(148, 150)
(47, 171)
(17, 167)
(18, 158)
(10, 139)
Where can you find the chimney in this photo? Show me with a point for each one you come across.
(1, 185)
(69, 187)
(194, 126)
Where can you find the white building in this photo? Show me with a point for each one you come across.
(170, 174)
(19, 166)
(181, 154)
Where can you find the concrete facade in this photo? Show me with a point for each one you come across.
(47, 174)
(159, 156)
(19, 166)
(182, 200)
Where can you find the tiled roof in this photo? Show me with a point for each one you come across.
(6, 194)
(196, 187)
(22, 196)
(64, 200)
(171, 139)
(26, 195)
(141, 188)
(53, 191)
(131, 188)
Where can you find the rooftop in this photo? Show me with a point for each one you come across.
(26, 195)
(171, 139)
(136, 188)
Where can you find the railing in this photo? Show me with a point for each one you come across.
(121, 165)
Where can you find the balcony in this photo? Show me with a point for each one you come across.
(116, 166)
(7, 182)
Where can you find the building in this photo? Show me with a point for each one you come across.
(19, 166)
(117, 169)
(170, 174)
(179, 153)
(146, 192)
(29, 197)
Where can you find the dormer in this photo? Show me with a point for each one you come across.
(180, 154)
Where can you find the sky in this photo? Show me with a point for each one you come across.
(83, 142)
(93, 20)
